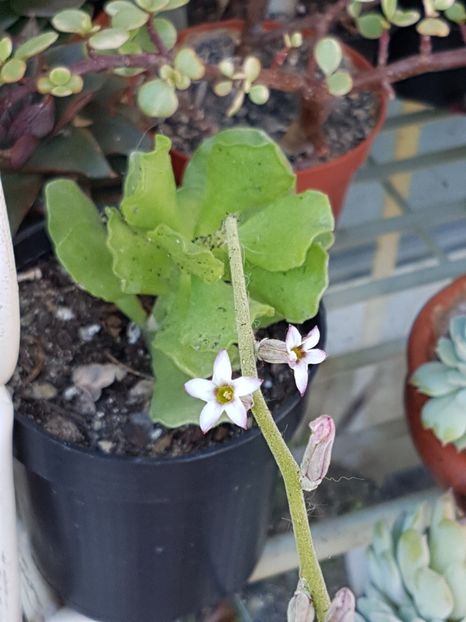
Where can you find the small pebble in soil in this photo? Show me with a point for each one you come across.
(87, 333)
(65, 314)
(64, 428)
(106, 446)
(42, 391)
(133, 333)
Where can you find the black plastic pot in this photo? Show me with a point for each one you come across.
(147, 540)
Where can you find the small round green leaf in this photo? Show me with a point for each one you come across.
(182, 82)
(328, 55)
(76, 84)
(227, 68)
(12, 71)
(223, 88)
(36, 45)
(72, 21)
(114, 7)
(156, 98)
(44, 85)
(457, 13)
(389, 8)
(354, 9)
(404, 19)
(340, 83)
(61, 91)
(252, 68)
(59, 76)
(259, 94)
(130, 18)
(166, 31)
(371, 25)
(443, 5)
(152, 6)
(6, 47)
(109, 39)
(433, 27)
(189, 63)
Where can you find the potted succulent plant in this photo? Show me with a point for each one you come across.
(125, 507)
(435, 394)
(70, 87)
(417, 568)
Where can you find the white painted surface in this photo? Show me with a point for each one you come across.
(9, 346)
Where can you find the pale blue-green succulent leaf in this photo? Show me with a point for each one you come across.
(234, 171)
(386, 576)
(433, 379)
(455, 576)
(446, 416)
(432, 595)
(412, 554)
(382, 538)
(278, 237)
(447, 543)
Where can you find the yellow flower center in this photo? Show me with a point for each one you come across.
(299, 352)
(224, 394)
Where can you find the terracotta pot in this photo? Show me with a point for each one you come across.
(333, 177)
(446, 463)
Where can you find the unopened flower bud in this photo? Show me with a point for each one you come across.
(342, 608)
(300, 607)
(272, 351)
(318, 453)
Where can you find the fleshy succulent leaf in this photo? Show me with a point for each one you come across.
(294, 293)
(278, 237)
(79, 238)
(149, 195)
(234, 171)
(142, 266)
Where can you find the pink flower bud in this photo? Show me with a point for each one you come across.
(300, 607)
(342, 608)
(318, 453)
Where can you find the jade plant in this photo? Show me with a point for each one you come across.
(444, 381)
(88, 88)
(170, 244)
(417, 568)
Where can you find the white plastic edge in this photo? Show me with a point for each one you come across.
(10, 610)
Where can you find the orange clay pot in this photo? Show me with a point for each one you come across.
(446, 463)
(333, 177)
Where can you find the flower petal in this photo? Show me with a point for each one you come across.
(222, 369)
(210, 414)
(311, 339)
(293, 338)
(236, 411)
(245, 385)
(315, 356)
(300, 376)
(200, 388)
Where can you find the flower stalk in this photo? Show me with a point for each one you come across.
(309, 567)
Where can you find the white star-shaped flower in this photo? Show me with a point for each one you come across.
(223, 394)
(302, 353)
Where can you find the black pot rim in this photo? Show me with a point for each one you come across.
(37, 232)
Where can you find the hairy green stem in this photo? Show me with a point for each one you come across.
(309, 567)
